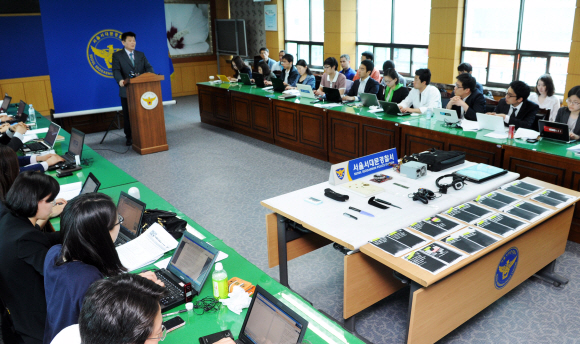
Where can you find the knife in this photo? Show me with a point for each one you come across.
(360, 211)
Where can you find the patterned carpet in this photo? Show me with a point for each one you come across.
(218, 178)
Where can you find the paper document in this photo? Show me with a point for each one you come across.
(523, 133)
(495, 135)
(469, 125)
(37, 131)
(376, 110)
(70, 191)
(575, 148)
(327, 105)
(30, 137)
(146, 248)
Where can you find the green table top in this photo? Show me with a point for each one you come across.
(152, 201)
(106, 172)
(320, 328)
(544, 146)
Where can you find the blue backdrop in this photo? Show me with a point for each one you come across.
(76, 72)
(25, 55)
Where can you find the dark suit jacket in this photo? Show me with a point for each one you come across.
(122, 67)
(246, 70)
(24, 163)
(22, 251)
(478, 87)
(372, 86)
(563, 116)
(524, 118)
(292, 76)
(12, 142)
(476, 102)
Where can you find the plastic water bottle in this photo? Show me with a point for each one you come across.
(429, 113)
(31, 114)
(219, 280)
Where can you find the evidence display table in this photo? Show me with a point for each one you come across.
(369, 274)
(320, 328)
(344, 133)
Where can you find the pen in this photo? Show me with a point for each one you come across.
(360, 211)
(387, 203)
(181, 311)
(403, 186)
(349, 215)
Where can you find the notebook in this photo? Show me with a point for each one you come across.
(268, 321)
(131, 209)
(555, 131)
(5, 103)
(47, 143)
(191, 263)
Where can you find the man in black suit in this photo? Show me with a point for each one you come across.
(467, 100)
(12, 136)
(128, 63)
(515, 108)
(365, 84)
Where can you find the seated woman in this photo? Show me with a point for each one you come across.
(90, 225)
(544, 96)
(239, 66)
(10, 170)
(331, 78)
(395, 90)
(23, 246)
(306, 77)
(569, 114)
(266, 72)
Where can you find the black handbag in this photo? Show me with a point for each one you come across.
(437, 160)
(167, 219)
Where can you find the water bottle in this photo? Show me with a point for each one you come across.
(31, 114)
(219, 280)
(429, 113)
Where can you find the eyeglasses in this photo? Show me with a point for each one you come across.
(507, 95)
(457, 86)
(163, 334)
(120, 218)
(326, 67)
(572, 103)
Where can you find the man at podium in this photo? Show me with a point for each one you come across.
(128, 63)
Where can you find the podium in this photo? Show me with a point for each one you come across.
(146, 113)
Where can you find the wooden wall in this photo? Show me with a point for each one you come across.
(33, 90)
(187, 75)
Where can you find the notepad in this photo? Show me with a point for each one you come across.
(70, 191)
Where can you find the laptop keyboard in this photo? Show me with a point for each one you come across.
(121, 239)
(68, 159)
(35, 146)
(174, 293)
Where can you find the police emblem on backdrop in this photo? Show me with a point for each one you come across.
(100, 51)
(149, 100)
(340, 173)
(506, 268)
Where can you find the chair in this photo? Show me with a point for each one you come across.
(348, 86)
(318, 78)
(543, 114)
(381, 92)
(490, 104)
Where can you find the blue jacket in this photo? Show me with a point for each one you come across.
(310, 81)
(349, 73)
(292, 76)
(24, 163)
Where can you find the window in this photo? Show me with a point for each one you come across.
(304, 31)
(506, 40)
(396, 38)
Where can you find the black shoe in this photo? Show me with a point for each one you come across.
(129, 142)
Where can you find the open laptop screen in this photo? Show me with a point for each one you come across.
(21, 107)
(191, 261)
(75, 146)
(91, 185)
(131, 212)
(268, 323)
(6, 103)
(51, 134)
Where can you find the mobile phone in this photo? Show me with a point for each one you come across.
(60, 174)
(313, 200)
(173, 323)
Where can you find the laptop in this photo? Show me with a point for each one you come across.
(259, 80)
(480, 173)
(223, 78)
(332, 95)
(446, 115)
(306, 91)
(555, 131)
(191, 263)
(490, 122)
(245, 77)
(369, 99)
(47, 143)
(391, 108)
(268, 321)
(75, 146)
(21, 115)
(90, 185)
(131, 209)
(278, 85)
(5, 104)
